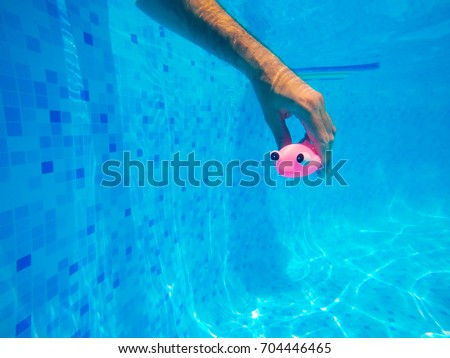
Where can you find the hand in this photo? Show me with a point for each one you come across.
(282, 94)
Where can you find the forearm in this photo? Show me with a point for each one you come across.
(207, 24)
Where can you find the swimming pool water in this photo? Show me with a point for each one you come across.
(82, 82)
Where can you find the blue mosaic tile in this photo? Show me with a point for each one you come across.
(23, 263)
(51, 76)
(88, 39)
(55, 116)
(94, 18)
(23, 325)
(47, 167)
(52, 9)
(33, 44)
(84, 95)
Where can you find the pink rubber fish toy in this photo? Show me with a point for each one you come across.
(296, 160)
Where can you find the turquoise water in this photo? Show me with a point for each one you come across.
(82, 83)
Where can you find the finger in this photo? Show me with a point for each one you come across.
(280, 131)
(326, 150)
(332, 134)
(331, 129)
(317, 133)
(327, 121)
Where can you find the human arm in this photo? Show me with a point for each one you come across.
(280, 91)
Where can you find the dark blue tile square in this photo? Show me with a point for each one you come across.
(100, 278)
(55, 116)
(134, 38)
(103, 118)
(84, 95)
(116, 283)
(94, 18)
(88, 39)
(73, 268)
(12, 20)
(6, 230)
(51, 76)
(13, 129)
(33, 44)
(23, 325)
(3, 145)
(52, 9)
(4, 162)
(23, 263)
(84, 309)
(11, 114)
(90, 229)
(80, 173)
(128, 212)
(112, 147)
(165, 68)
(47, 167)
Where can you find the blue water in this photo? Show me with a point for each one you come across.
(83, 82)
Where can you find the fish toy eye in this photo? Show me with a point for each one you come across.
(275, 155)
(303, 158)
